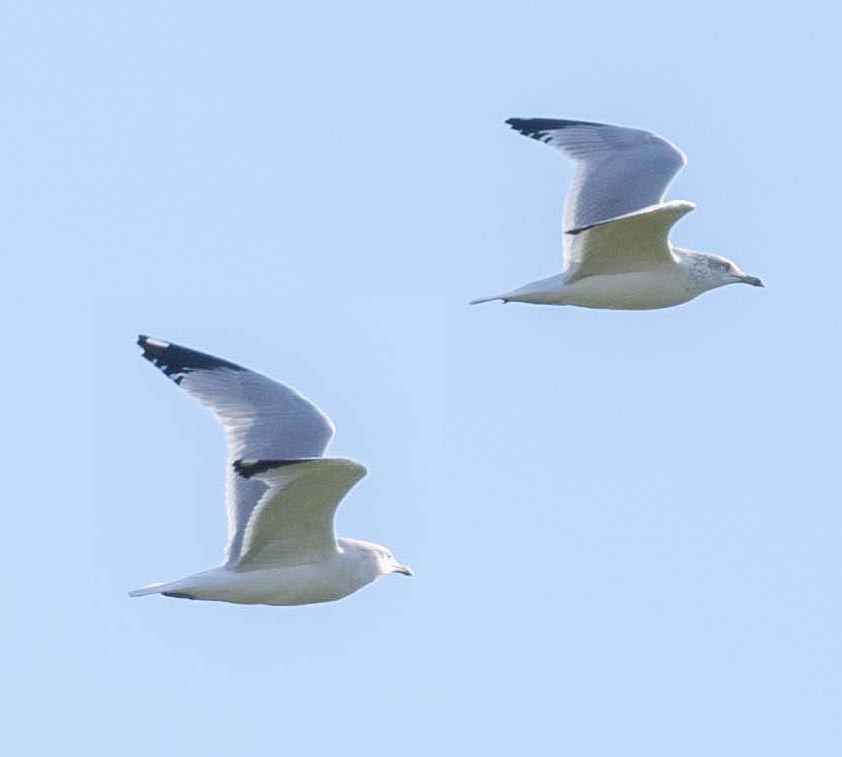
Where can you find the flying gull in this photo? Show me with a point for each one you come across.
(281, 491)
(616, 250)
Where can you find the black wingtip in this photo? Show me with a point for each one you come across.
(251, 468)
(176, 361)
(244, 467)
(537, 128)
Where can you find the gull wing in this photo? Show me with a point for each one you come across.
(292, 523)
(618, 170)
(637, 241)
(261, 417)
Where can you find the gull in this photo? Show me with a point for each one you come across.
(616, 250)
(282, 492)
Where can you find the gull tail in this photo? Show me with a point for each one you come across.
(480, 300)
(159, 588)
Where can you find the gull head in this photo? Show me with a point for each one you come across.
(387, 563)
(718, 271)
(378, 560)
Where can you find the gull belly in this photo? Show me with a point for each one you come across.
(324, 581)
(645, 290)
(640, 290)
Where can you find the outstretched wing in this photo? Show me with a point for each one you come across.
(292, 523)
(618, 170)
(262, 419)
(637, 241)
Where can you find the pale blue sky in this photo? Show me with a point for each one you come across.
(625, 526)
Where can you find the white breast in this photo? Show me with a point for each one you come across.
(629, 291)
(323, 581)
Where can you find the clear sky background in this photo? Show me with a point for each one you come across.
(625, 526)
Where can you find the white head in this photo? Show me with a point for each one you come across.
(380, 559)
(388, 564)
(713, 271)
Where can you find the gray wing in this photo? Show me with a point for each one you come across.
(261, 417)
(292, 523)
(618, 170)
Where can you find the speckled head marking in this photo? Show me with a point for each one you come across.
(709, 271)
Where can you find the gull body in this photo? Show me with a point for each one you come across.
(355, 565)
(616, 249)
(692, 274)
(282, 493)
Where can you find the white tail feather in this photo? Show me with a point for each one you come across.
(151, 589)
(487, 299)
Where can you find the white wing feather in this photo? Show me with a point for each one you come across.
(261, 417)
(618, 170)
(292, 523)
(637, 241)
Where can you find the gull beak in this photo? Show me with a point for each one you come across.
(403, 569)
(753, 280)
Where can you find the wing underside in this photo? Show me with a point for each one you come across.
(292, 524)
(261, 418)
(635, 242)
(618, 170)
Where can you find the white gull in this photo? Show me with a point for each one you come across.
(616, 250)
(282, 492)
